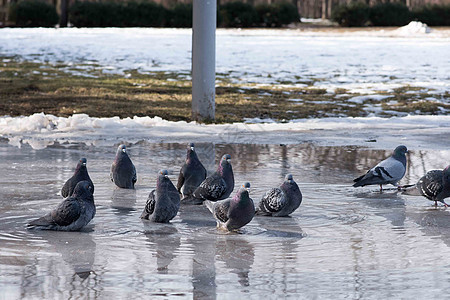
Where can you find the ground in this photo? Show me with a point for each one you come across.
(28, 87)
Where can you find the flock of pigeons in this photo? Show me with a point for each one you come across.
(195, 187)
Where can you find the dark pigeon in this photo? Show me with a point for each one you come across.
(435, 185)
(388, 171)
(72, 214)
(163, 202)
(232, 214)
(192, 173)
(219, 185)
(282, 201)
(80, 174)
(123, 172)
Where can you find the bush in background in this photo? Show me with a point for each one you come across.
(109, 14)
(390, 14)
(433, 15)
(33, 14)
(237, 14)
(180, 16)
(277, 14)
(355, 14)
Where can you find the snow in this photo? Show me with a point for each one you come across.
(362, 99)
(362, 61)
(413, 28)
(40, 130)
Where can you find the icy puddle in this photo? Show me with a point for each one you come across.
(341, 243)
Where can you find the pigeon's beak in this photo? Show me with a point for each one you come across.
(192, 148)
(84, 164)
(228, 160)
(124, 150)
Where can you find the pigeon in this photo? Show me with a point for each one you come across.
(80, 174)
(232, 214)
(72, 214)
(219, 185)
(282, 201)
(123, 172)
(192, 173)
(390, 170)
(435, 185)
(163, 202)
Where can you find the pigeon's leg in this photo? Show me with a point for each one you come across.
(435, 203)
(381, 188)
(445, 204)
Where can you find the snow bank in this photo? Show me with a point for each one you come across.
(40, 130)
(413, 28)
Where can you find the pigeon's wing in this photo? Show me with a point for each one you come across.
(389, 170)
(430, 185)
(65, 191)
(180, 180)
(272, 201)
(221, 209)
(212, 188)
(67, 212)
(113, 169)
(150, 205)
(134, 178)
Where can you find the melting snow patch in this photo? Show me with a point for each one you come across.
(362, 99)
(413, 28)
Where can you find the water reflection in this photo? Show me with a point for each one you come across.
(238, 255)
(341, 242)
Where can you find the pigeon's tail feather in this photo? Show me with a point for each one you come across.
(41, 222)
(189, 199)
(209, 205)
(359, 178)
(411, 191)
(145, 215)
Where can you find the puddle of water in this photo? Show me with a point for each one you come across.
(341, 243)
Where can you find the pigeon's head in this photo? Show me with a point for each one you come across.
(289, 178)
(246, 186)
(83, 161)
(226, 158)
(164, 173)
(122, 148)
(83, 188)
(400, 150)
(191, 146)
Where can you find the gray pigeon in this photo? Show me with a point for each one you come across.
(123, 172)
(232, 214)
(390, 170)
(72, 214)
(435, 185)
(282, 201)
(80, 174)
(219, 185)
(163, 202)
(192, 173)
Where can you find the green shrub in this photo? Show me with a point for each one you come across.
(352, 15)
(433, 15)
(108, 14)
(390, 14)
(180, 16)
(237, 14)
(33, 14)
(277, 14)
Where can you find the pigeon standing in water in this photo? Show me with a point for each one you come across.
(232, 214)
(163, 202)
(390, 170)
(219, 185)
(80, 174)
(435, 185)
(123, 172)
(282, 201)
(191, 174)
(72, 214)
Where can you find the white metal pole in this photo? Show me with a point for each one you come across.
(203, 60)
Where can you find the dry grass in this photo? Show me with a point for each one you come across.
(27, 88)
